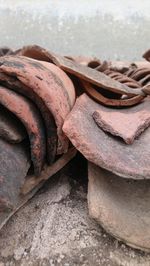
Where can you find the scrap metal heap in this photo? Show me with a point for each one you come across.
(103, 108)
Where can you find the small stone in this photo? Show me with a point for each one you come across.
(18, 253)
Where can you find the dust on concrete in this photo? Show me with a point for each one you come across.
(54, 228)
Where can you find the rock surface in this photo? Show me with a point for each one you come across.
(121, 206)
(126, 123)
(130, 161)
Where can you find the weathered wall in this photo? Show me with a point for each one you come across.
(107, 29)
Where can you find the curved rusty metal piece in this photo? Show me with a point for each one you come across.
(98, 97)
(11, 129)
(44, 86)
(26, 111)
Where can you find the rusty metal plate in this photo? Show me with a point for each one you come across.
(10, 127)
(14, 165)
(28, 114)
(49, 87)
(129, 161)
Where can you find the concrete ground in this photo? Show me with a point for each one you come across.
(54, 227)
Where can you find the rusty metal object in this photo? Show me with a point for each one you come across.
(10, 127)
(44, 86)
(14, 165)
(31, 119)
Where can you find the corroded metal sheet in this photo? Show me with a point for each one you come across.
(26, 111)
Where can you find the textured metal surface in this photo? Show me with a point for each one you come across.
(31, 119)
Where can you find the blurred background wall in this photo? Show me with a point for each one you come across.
(116, 29)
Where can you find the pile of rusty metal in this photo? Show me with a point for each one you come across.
(51, 106)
